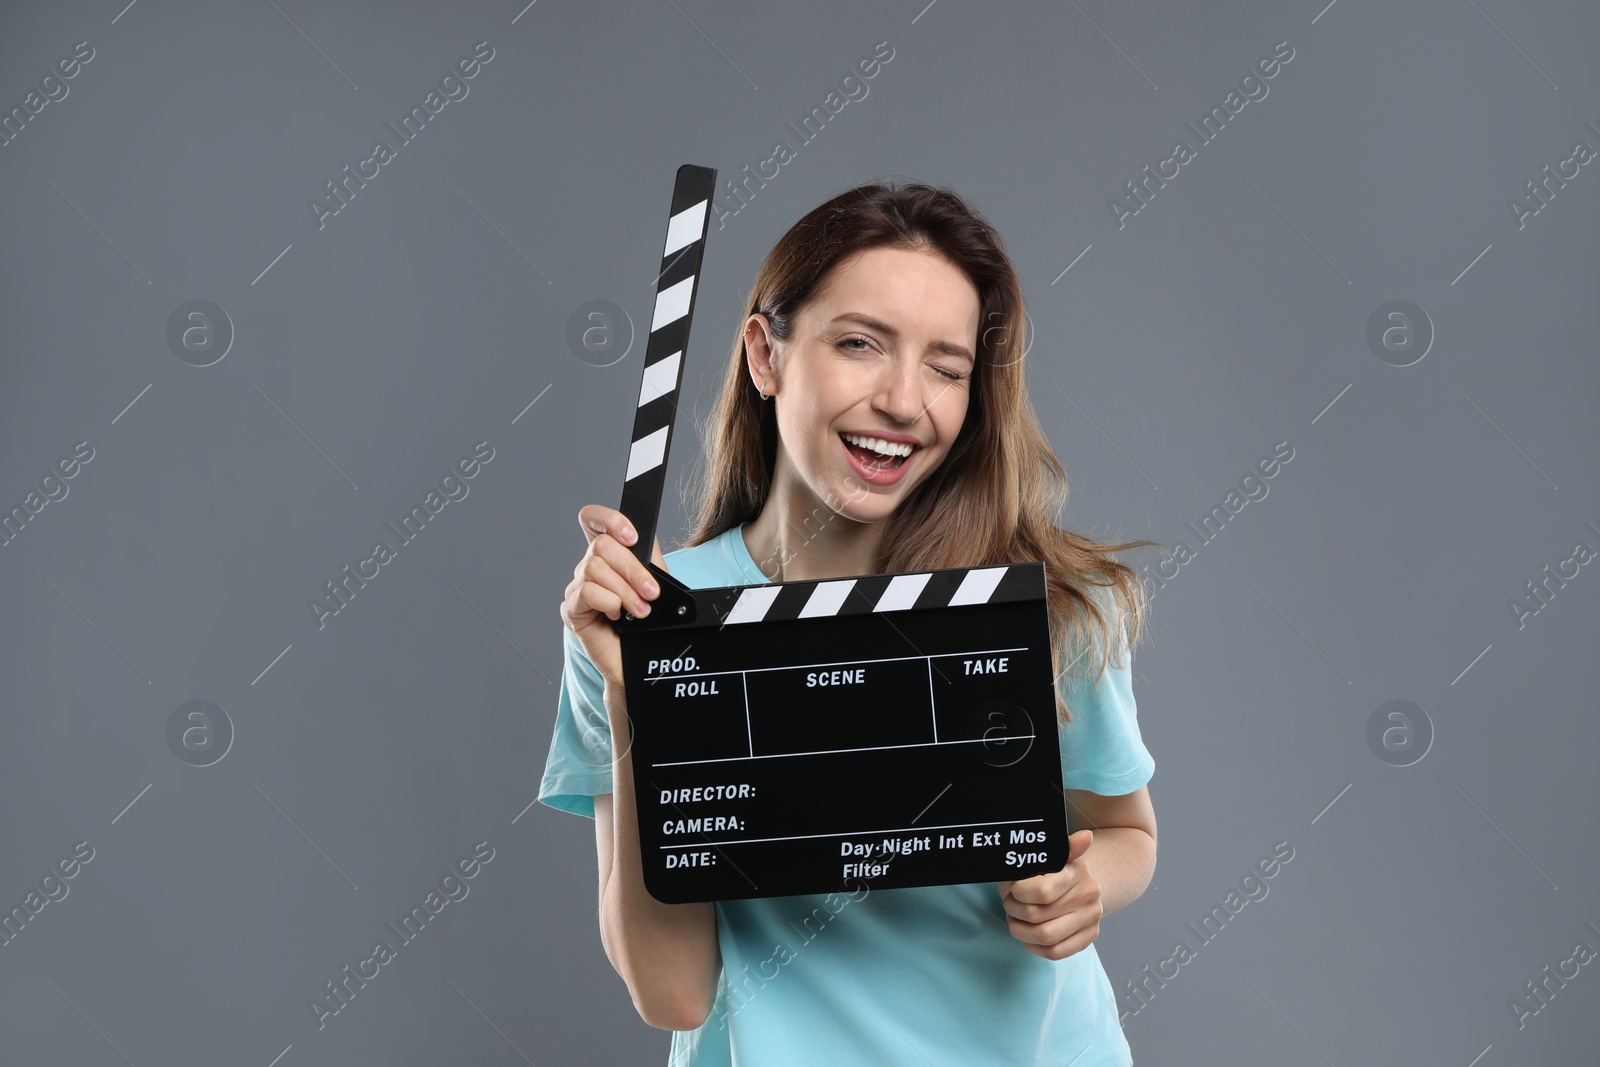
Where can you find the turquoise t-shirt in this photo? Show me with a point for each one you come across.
(879, 976)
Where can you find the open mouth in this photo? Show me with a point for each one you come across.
(873, 459)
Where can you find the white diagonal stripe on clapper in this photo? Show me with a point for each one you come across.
(977, 585)
(685, 227)
(660, 378)
(902, 592)
(826, 598)
(752, 604)
(646, 453)
(672, 303)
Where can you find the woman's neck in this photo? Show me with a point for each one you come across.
(798, 538)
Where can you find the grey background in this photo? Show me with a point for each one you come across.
(1228, 315)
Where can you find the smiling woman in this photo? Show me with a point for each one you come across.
(861, 395)
(860, 389)
(861, 338)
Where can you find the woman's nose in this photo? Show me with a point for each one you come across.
(901, 396)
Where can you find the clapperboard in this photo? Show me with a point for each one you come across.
(805, 737)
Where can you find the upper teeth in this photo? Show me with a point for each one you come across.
(876, 444)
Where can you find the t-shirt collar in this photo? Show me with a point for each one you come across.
(739, 552)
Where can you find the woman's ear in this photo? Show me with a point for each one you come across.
(759, 353)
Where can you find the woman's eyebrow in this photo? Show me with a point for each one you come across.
(947, 347)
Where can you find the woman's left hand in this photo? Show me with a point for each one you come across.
(1057, 913)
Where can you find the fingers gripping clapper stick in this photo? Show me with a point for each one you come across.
(803, 737)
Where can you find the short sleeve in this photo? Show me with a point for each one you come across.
(578, 767)
(1101, 749)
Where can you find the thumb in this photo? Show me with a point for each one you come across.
(1078, 844)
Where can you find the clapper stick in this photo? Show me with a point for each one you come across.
(791, 737)
(676, 287)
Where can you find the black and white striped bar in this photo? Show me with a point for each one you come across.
(676, 286)
(879, 592)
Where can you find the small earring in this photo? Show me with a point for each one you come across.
(763, 390)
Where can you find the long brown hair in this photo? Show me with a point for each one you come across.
(994, 498)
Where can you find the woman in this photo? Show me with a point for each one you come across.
(874, 418)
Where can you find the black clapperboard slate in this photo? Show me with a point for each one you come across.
(892, 730)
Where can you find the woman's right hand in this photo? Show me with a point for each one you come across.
(607, 580)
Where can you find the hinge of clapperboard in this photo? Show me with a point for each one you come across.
(676, 287)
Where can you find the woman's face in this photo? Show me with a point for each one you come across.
(885, 349)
